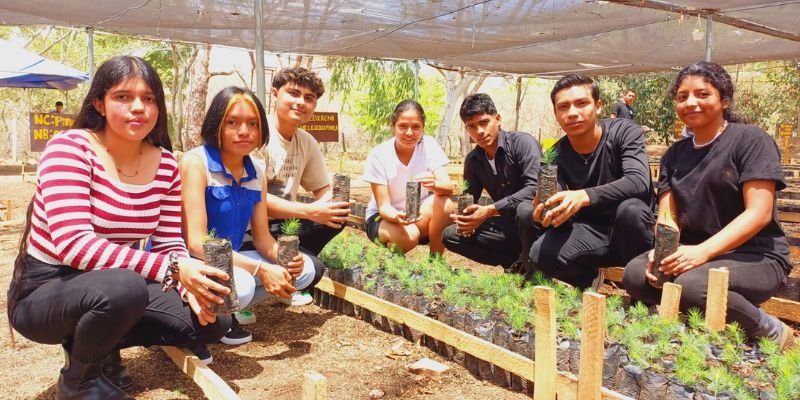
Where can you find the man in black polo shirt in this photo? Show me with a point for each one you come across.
(602, 214)
(624, 108)
(505, 164)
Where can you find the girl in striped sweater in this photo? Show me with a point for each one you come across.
(79, 279)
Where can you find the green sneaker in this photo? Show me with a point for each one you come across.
(245, 317)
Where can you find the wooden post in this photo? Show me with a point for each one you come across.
(670, 300)
(590, 372)
(315, 386)
(717, 300)
(544, 382)
(8, 210)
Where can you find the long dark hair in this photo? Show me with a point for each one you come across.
(211, 132)
(717, 77)
(112, 73)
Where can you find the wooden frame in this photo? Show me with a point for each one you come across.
(566, 384)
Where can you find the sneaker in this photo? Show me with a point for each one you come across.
(601, 277)
(245, 317)
(202, 354)
(236, 335)
(301, 298)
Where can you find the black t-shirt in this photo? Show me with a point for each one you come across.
(707, 185)
(517, 162)
(623, 110)
(617, 170)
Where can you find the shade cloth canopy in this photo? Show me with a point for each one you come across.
(541, 37)
(20, 68)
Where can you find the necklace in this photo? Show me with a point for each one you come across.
(119, 171)
(586, 158)
(700, 146)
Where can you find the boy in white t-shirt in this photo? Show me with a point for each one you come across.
(408, 155)
(293, 159)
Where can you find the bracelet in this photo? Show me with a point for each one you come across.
(258, 267)
(169, 281)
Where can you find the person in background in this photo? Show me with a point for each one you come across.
(718, 186)
(59, 108)
(624, 108)
(79, 279)
(223, 193)
(408, 155)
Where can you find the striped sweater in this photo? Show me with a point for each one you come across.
(85, 219)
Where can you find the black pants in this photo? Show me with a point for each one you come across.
(99, 311)
(498, 241)
(313, 236)
(573, 251)
(753, 279)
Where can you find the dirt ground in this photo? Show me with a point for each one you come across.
(287, 342)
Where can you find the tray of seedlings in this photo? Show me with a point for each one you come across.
(646, 356)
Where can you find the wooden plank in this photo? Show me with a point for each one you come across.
(717, 299)
(614, 274)
(315, 386)
(670, 301)
(544, 300)
(593, 336)
(783, 308)
(788, 216)
(503, 358)
(212, 385)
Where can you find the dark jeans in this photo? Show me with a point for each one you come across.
(313, 236)
(498, 241)
(573, 251)
(99, 311)
(753, 279)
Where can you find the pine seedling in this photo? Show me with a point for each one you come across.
(210, 235)
(695, 318)
(518, 318)
(638, 311)
(549, 156)
(290, 227)
(464, 186)
(735, 333)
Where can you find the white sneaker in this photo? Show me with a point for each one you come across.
(301, 298)
(245, 317)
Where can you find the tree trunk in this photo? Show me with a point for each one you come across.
(198, 81)
(458, 85)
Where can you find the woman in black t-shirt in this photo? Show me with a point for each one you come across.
(719, 183)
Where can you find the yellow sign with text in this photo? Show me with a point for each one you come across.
(46, 125)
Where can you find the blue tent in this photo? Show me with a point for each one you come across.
(22, 69)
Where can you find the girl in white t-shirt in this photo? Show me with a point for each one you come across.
(408, 155)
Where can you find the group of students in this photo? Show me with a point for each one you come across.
(717, 187)
(82, 279)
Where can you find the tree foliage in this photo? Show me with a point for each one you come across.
(654, 106)
(372, 88)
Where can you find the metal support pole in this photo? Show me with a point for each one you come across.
(90, 48)
(709, 37)
(261, 88)
(416, 80)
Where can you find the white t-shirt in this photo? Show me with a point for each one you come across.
(383, 167)
(291, 164)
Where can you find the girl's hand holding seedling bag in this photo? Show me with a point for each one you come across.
(276, 279)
